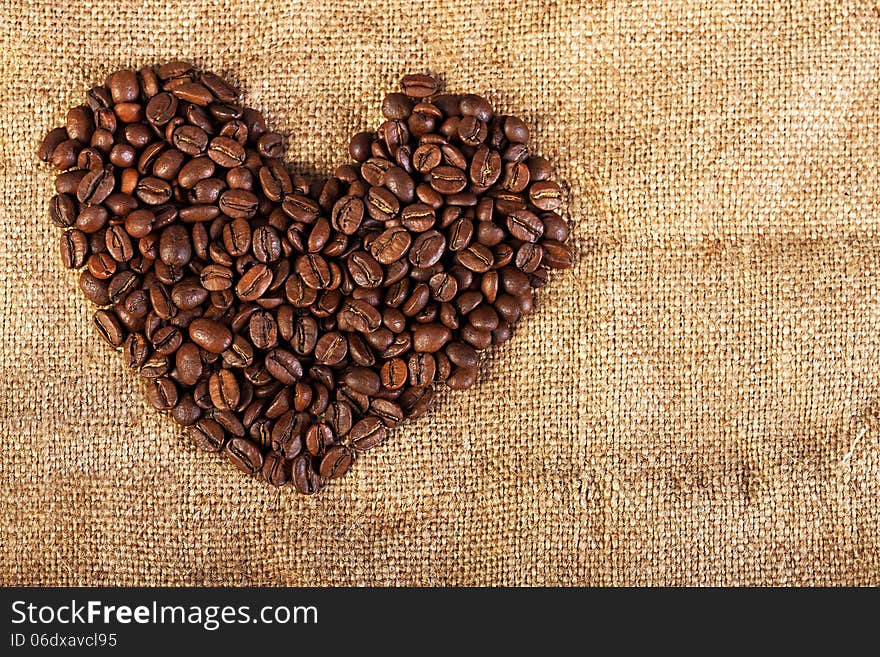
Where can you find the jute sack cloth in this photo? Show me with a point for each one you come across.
(696, 402)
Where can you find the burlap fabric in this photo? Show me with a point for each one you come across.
(696, 402)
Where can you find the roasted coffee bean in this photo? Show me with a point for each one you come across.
(162, 393)
(62, 210)
(109, 328)
(525, 226)
(476, 258)
(360, 316)
(443, 286)
(314, 271)
(557, 255)
(336, 462)
(254, 283)
(275, 470)
(419, 86)
(394, 374)
(447, 179)
(427, 249)
(208, 435)
(364, 380)
(401, 184)
(136, 350)
(226, 152)
(300, 208)
(381, 204)
(121, 284)
(305, 476)
(422, 369)
(74, 249)
(391, 245)
(263, 330)
(96, 186)
(188, 364)
(429, 338)
(239, 203)
(528, 257)
(186, 413)
(80, 124)
(367, 434)
(245, 455)
(210, 335)
(284, 366)
(462, 378)
(331, 348)
(50, 142)
(224, 390)
(167, 340)
(153, 191)
(318, 438)
(190, 139)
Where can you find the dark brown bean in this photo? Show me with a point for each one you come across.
(336, 462)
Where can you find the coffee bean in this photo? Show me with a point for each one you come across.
(167, 340)
(50, 142)
(314, 271)
(153, 191)
(429, 338)
(80, 124)
(447, 179)
(400, 183)
(363, 380)
(529, 257)
(336, 462)
(367, 434)
(254, 283)
(162, 393)
(224, 390)
(305, 476)
(263, 330)
(359, 316)
(331, 348)
(239, 203)
(416, 401)
(96, 186)
(462, 378)
(226, 152)
(208, 435)
(418, 86)
(556, 255)
(161, 108)
(190, 139)
(427, 249)
(275, 470)
(388, 411)
(210, 335)
(284, 366)
(109, 327)
(244, 454)
(391, 245)
(485, 168)
(381, 204)
(476, 258)
(74, 249)
(525, 226)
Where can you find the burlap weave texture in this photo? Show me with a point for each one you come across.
(696, 402)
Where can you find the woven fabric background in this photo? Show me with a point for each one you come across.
(696, 402)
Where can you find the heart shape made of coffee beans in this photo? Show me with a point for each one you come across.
(288, 325)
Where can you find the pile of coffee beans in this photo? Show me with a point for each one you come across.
(289, 325)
